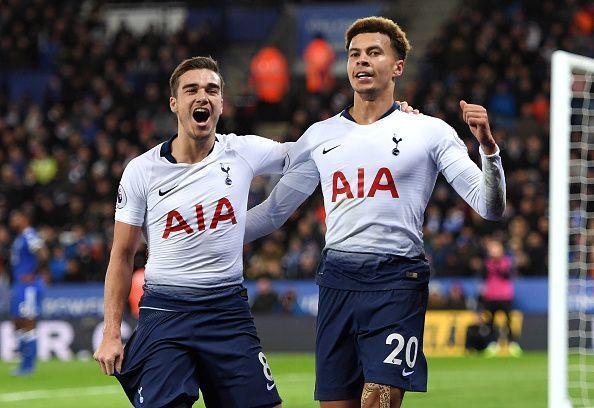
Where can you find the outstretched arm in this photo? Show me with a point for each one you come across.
(273, 212)
(298, 183)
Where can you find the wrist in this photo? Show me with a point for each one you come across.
(489, 148)
(112, 332)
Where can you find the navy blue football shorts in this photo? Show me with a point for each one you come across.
(373, 336)
(186, 341)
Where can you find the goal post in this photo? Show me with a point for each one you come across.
(570, 294)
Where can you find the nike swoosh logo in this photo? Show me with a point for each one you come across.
(327, 150)
(407, 373)
(270, 386)
(162, 193)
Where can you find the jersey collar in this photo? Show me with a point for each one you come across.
(166, 149)
(345, 113)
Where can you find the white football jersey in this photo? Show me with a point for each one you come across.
(193, 215)
(376, 178)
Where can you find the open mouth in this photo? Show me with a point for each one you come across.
(361, 75)
(200, 115)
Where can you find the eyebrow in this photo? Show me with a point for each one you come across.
(370, 48)
(195, 85)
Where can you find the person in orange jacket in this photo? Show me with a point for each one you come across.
(319, 57)
(270, 75)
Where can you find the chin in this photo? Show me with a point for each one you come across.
(201, 133)
(367, 93)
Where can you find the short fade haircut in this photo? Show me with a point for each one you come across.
(381, 25)
(190, 64)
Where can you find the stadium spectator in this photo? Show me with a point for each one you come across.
(479, 334)
(267, 262)
(319, 57)
(374, 253)
(58, 264)
(498, 295)
(266, 300)
(436, 298)
(269, 75)
(289, 303)
(455, 299)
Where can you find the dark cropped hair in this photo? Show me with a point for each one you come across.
(190, 64)
(382, 25)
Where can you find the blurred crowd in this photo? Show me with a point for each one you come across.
(106, 103)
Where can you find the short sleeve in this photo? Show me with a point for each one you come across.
(132, 193)
(264, 156)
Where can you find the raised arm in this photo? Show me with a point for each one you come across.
(118, 280)
(483, 191)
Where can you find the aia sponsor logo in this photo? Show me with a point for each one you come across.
(383, 181)
(176, 222)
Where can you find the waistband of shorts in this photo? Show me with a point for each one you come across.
(190, 293)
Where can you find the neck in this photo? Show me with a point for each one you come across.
(367, 110)
(190, 150)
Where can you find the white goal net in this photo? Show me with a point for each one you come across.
(571, 233)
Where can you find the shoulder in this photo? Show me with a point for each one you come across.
(422, 122)
(233, 141)
(146, 159)
(140, 169)
(332, 122)
(327, 127)
(429, 128)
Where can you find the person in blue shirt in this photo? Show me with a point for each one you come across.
(27, 252)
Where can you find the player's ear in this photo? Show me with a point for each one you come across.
(398, 68)
(173, 104)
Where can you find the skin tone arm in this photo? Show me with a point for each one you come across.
(478, 121)
(118, 281)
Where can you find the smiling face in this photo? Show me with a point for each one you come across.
(198, 103)
(372, 65)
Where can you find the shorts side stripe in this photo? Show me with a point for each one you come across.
(157, 308)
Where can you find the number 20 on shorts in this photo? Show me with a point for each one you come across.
(410, 354)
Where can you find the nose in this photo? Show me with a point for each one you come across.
(201, 96)
(363, 59)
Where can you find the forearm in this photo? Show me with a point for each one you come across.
(118, 281)
(273, 212)
(484, 190)
(493, 186)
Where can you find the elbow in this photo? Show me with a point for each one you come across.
(493, 217)
(495, 214)
(122, 255)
